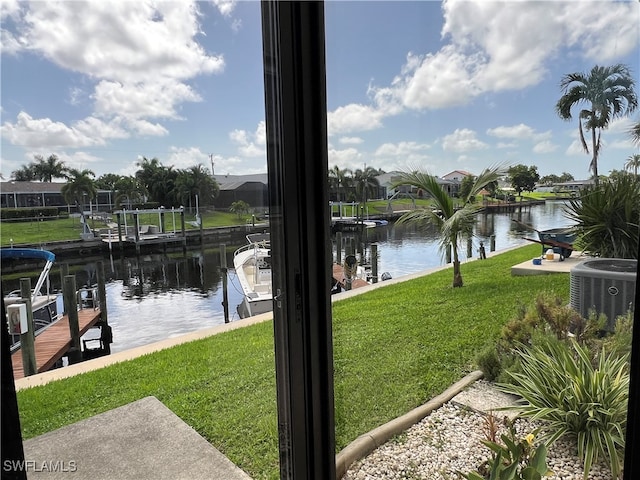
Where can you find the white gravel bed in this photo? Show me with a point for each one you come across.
(447, 442)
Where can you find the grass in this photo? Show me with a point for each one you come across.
(46, 231)
(394, 348)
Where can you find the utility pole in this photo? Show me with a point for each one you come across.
(211, 159)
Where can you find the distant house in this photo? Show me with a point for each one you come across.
(457, 175)
(387, 180)
(573, 186)
(252, 189)
(44, 194)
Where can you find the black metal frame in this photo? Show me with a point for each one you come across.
(296, 120)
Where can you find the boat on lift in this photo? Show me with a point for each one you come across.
(252, 263)
(44, 306)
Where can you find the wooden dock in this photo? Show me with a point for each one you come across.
(54, 342)
(338, 276)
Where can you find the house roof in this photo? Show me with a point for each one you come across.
(31, 187)
(224, 180)
(461, 172)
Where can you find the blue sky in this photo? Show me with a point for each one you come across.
(436, 85)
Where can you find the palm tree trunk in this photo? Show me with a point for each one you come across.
(457, 275)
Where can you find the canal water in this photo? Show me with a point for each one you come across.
(159, 296)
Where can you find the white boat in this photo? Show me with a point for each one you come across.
(252, 263)
(44, 306)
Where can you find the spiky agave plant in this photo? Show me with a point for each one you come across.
(560, 386)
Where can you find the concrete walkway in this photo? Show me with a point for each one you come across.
(143, 440)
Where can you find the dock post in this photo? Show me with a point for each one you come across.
(184, 233)
(374, 262)
(102, 292)
(71, 306)
(136, 223)
(106, 335)
(27, 339)
(64, 271)
(469, 248)
(120, 242)
(223, 270)
(492, 244)
(339, 248)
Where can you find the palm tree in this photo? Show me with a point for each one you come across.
(80, 184)
(607, 92)
(26, 173)
(634, 132)
(158, 180)
(454, 224)
(366, 183)
(339, 179)
(48, 169)
(128, 188)
(193, 181)
(633, 163)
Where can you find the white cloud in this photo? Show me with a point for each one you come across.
(132, 101)
(352, 118)
(225, 7)
(119, 41)
(351, 140)
(400, 149)
(44, 132)
(348, 158)
(462, 140)
(250, 144)
(139, 54)
(183, 158)
(546, 146)
(497, 46)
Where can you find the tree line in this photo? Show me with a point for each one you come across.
(152, 182)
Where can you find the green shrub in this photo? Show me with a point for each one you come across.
(488, 361)
(560, 386)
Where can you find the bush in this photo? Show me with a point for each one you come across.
(606, 218)
(560, 386)
(29, 213)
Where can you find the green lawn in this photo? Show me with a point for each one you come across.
(394, 348)
(45, 231)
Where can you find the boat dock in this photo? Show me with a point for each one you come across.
(339, 277)
(55, 341)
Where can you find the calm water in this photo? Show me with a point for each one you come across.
(154, 297)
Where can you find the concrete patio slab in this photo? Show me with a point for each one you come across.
(142, 440)
(549, 266)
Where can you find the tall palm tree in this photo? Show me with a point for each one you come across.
(193, 181)
(80, 183)
(633, 163)
(158, 180)
(454, 224)
(339, 179)
(366, 183)
(129, 189)
(607, 93)
(51, 168)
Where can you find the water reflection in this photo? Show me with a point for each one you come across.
(159, 296)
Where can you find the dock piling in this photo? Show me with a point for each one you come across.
(71, 306)
(27, 339)
(374, 262)
(223, 270)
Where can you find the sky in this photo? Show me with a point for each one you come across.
(439, 86)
